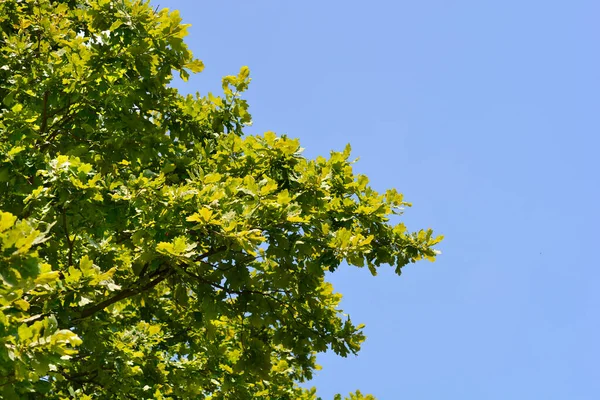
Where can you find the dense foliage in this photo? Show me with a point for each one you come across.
(149, 249)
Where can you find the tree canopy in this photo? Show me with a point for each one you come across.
(149, 249)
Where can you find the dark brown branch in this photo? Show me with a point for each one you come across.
(217, 267)
(231, 291)
(79, 374)
(160, 276)
(54, 129)
(69, 241)
(9, 379)
(212, 252)
(44, 113)
(296, 315)
(89, 378)
(60, 110)
(60, 123)
(143, 271)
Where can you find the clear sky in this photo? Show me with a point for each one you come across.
(486, 115)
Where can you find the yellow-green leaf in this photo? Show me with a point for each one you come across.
(22, 304)
(154, 329)
(47, 277)
(195, 66)
(6, 220)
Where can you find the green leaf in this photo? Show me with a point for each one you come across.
(47, 277)
(195, 66)
(7, 220)
(22, 304)
(86, 265)
(154, 329)
(204, 216)
(25, 333)
(115, 25)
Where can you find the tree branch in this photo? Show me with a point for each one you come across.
(69, 241)
(160, 276)
(44, 111)
(231, 291)
(296, 316)
(212, 252)
(9, 379)
(79, 374)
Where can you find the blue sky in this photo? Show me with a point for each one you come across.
(486, 115)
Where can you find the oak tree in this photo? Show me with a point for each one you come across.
(148, 247)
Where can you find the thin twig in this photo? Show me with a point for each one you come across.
(68, 237)
(44, 113)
